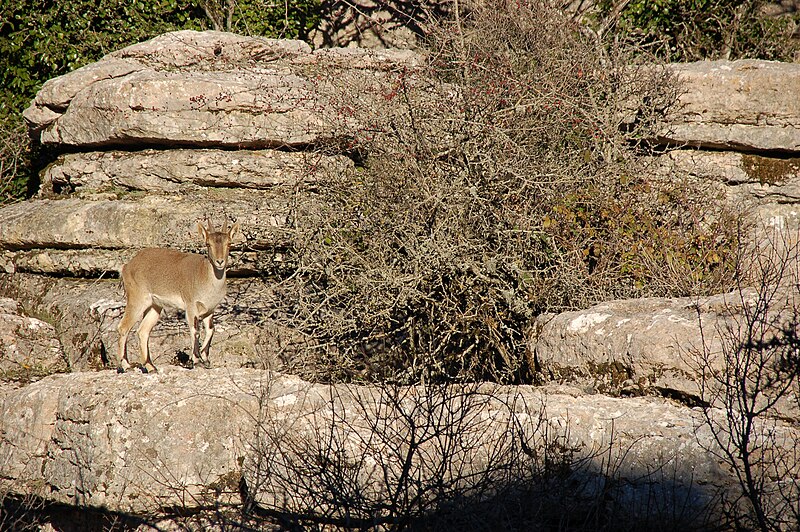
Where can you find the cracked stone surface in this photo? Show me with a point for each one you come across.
(184, 438)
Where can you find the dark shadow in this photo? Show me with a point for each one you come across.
(581, 502)
(31, 513)
(346, 22)
(426, 447)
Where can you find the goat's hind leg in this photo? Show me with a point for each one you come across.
(148, 322)
(124, 328)
(133, 312)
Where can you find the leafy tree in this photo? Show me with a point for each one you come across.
(291, 20)
(690, 30)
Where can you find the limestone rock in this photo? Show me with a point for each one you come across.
(209, 49)
(202, 109)
(189, 125)
(56, 94)
(171, 51)
(766, 190)
(625, 343)
(209, 89)
(108, 440)
(91, 216)
(748, 105)
(91, 309)
(71, 235)
(102, 439)
(779, 176)
(631, 346)
(169, 171)
(29, 347)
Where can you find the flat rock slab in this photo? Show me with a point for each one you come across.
(184, 439)
(136, 222)
(779, 176)
(749, 105)
(95, 210)
(634, 346)
(625, 343)
(110, 440)
(180, 170)
(245, 335)
(210, 89)
(72, 235)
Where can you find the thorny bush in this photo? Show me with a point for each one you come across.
(504, 178)
(749, 368)
(446, 457)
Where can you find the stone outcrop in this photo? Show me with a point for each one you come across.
(106, 440)
(626, 346)
(86, 315)
(206, 90)
(632, 347)
(184, 170)
(161, 135)
(737, 127)
(189, 125)
(745, 105)
(99, 439)
(29, 347)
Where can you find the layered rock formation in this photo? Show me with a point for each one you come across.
(191, 125)
(185, 127)
(741, 105)
(145, 444)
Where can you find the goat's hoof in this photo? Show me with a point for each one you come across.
(206, 364)
(120, 369)
(144, 369)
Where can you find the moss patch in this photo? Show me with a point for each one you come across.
(770, 171)
(227, 483)
(609, 377)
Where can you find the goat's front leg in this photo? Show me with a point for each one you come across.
(208, 322)
(194, 336)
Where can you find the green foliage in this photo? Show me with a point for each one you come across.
(40, 40)
(690, 30)
(292, 20)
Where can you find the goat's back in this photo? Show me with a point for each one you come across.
(165, 272)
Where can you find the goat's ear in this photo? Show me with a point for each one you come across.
(203, 231)
(233, 231)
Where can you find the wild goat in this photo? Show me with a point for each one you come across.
(156, 278)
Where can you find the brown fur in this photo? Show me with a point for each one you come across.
(157, 277)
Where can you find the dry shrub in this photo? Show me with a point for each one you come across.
(749, 369)
(448, 457)
(501, 180)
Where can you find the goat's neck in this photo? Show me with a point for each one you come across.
(215, 276)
